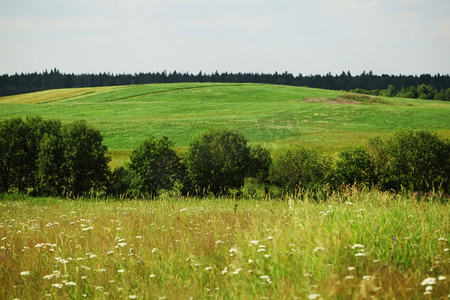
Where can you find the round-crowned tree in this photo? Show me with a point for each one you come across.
(296, 168)
(354, 167)
(217, 161)
(85, 164)
(156, 165)
(412, 160)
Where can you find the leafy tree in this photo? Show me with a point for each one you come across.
(260, 162)
(156, 164)
(38, 129)
(354, 166)
(50, 164)
(417, 161)
(218, 161)
(296, 168)
(85, 159)
(13, 154)
(426, 91)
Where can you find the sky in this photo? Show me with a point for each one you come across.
(409, 37)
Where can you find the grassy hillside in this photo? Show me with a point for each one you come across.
(270, 114)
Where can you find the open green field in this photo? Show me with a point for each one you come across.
(269, 114)
(358, 245)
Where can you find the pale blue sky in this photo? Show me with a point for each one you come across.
(309, 37)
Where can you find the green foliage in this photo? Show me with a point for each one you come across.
(13, 152)
(298, 168)
(354, 167)
(85, 159)
(416, 161)
(426, 91)
(156, 164)
(260, 162)
(218, 161)
(19, 149)
(50, 162)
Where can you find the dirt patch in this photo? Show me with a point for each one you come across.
(347, 99)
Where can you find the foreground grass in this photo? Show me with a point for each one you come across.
(355, 246)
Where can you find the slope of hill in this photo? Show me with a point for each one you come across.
(270, 114)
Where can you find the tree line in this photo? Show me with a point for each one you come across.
(402, 85)
(48, 158)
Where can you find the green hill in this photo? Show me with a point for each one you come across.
(269, 114)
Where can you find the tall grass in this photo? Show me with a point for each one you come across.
(356, 245)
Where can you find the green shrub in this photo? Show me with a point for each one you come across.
(19, 150)
(156, 165)
(415, 161)
(296, 168)
(217, 161)
(85, 163)
(260, 162)
(354, 167)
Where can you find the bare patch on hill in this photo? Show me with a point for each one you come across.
(348, 99)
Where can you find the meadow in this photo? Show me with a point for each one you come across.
(357, 245)
(271, 115)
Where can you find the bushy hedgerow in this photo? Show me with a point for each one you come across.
(156, 164)
(411, 160)
(217, 161)
(45, 157)
(297, 168)
(354, 167)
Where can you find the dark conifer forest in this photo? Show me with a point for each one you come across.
(425, 86)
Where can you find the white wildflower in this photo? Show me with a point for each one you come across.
(154, 250)
(351, 268)
(314, 296)
(254, 242)
(132, 296)
(236, 272)
(319, 248)
(442, 277)
(121, 271)
(266, 278)
(57, 285)
(183, 209)
(429, 281)
(70, 283)
(25, 273)
(208, 269)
